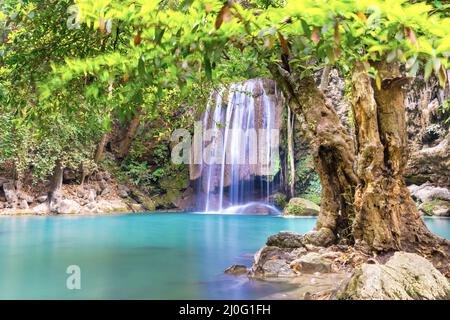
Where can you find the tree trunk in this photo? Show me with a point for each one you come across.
(332, 149)
(125, 144)
(386, 217)
(54, 193)
(290, 140)
(101, 148)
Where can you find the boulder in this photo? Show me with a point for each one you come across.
(10, 192)
(322, 237)
(236, 269)
(301, 207)
(69, 207)
(436, 208)
(272, 262)
(310, 263)
(285, 239)
(405, 276)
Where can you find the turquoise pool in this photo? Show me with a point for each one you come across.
(146, 256)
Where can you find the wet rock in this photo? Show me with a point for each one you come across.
(301, 207)
(405, 276)
(285, 239)
(322, 237)
(69, 207)
(236, 269)
(310, 263)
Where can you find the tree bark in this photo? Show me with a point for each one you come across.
(386, 217)
(101, 148)
(132, 128)
(332, 149)
(290, 140)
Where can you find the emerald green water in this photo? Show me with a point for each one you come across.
(147, 256)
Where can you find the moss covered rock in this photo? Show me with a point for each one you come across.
(436, 208)
(301, 207)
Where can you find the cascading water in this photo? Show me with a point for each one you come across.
(240, 148)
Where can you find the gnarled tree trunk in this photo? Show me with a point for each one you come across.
(386, 217)
(131, 130)
(332, 149)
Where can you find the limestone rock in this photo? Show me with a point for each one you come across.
(301, 207)
(427, 192)
(285, 239)
(272, 262)
(405, 276)
(310, 263)
(69, 206)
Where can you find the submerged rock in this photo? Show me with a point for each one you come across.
(285, 239)
(236, 269)
(301, 207)
(405, 276)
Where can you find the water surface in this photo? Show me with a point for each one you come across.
(146, 256)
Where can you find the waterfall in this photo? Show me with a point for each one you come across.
(240, 148)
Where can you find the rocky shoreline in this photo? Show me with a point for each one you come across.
(343, 272)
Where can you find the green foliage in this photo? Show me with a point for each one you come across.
(280, 200)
